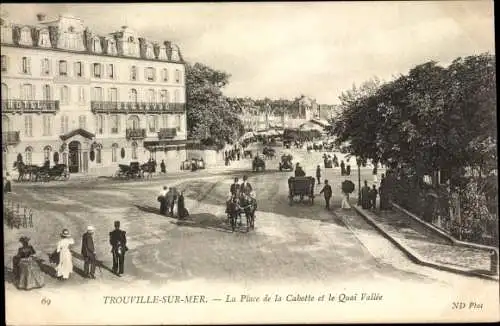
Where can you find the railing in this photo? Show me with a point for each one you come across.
(10, 137)
(136, 107)
(17, 216)
(167, 133)
(30, 106)
(135, 133)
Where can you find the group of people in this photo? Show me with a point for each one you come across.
(26, 268)
(233, 154)
(345, 170)
(369, 195)
(237, 189)
(168, 197)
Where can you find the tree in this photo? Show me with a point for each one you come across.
(210, 116)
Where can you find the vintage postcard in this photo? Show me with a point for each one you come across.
(238, 163)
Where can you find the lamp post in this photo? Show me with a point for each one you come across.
(358, 162)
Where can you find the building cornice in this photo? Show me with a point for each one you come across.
(89, 53)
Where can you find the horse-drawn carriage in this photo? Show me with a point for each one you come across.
(131, 171)
(258, 163)
(238, 205)
(286, 163)
(302, 187)
(57, 172)
(269, 153)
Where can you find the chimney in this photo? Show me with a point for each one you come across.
(40, 17)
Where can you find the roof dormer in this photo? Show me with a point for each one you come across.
(162, 52)
(111, 48)
(6, 32)
(96, 44)
(25, 36)
(44, 38)
(175, 56)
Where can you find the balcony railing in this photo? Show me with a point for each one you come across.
(167, 133)
(30, 106)
(10, 138)
(135, 133)
(136, 107)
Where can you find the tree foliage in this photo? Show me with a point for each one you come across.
(210, 116)
(430, 118)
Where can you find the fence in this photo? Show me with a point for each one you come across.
(17, 216)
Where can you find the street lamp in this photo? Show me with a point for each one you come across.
(358, 162)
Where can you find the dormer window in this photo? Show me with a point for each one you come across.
(111, 47)
(25, 36)
(96, 45)
(44, 40)
(71, 29)
(149, 52)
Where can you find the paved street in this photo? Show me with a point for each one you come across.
(290, 243)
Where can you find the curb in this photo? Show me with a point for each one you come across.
(453, 240)
(413, 256)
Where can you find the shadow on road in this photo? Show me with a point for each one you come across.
(149, 209)
(207, 221)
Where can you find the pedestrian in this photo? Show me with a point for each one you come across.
(118, 242)
(373, 196)
(318, 174)
(327, 192)
(181, 207)
(65, 264)
(162, 199)
(342, 168)
(245, 186)
(163, 168)
(365, 196)
(238, 154)
(154, 165)
(382, 193)
(8, 183)
(88, 253)
(348, 169)
(235, 187)
(170, 202)
(27, 273)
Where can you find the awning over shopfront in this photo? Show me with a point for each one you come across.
(82, 132)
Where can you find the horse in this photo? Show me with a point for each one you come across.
(249, 206)
(149, 168)
(26, 170)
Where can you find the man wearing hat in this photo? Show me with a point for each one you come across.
(88, 252)
(118, 242)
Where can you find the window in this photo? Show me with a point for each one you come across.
(134, 151)
(97, 70)
(176, 96)
(28, 155)
(98, 153)
(164, 74)
(178, 76)
(81, 94)
(100, 124)
(164, 96)
(133, 122)
(44, 39)
(151, 96)
(150, 52)
(46, 93)
(47, 125)
(65, 95)
(79, 69)
(4, 62)
(97, 94)
(133, 95)
(111, 71)
(150, 74)
(5, 123)
(5, 91)
(63, 68)
(26, 65)
(115, 124)
(133, 73)
(27, 92)
(165, 121)
(45, 67)
(96, 45)
(153, 123)
(113, 95)
(178, 122)
(25, 36)
(28, 125)
(114, 153)
(46, 153)
(82, 122)
(64, 124)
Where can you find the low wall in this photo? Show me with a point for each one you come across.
(211, 157)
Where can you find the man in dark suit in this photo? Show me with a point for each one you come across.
(88, 253)
(246, 187)
(327, 192)
(118, 242)
(235, 187)
(365, 196)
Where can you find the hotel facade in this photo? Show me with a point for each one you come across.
(90, 101)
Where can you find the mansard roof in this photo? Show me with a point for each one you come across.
(170, 48)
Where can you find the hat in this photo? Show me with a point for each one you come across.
(24, 239)
(90, 228)
(65, 233)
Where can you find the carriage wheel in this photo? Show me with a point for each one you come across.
(66, 176)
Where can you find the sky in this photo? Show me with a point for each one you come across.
(284, 50)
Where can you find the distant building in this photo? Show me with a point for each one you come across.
(90, 101)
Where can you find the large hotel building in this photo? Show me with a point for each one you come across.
(90, 101)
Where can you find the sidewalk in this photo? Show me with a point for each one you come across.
(427, 247)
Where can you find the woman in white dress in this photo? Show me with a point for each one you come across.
(65, 266)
